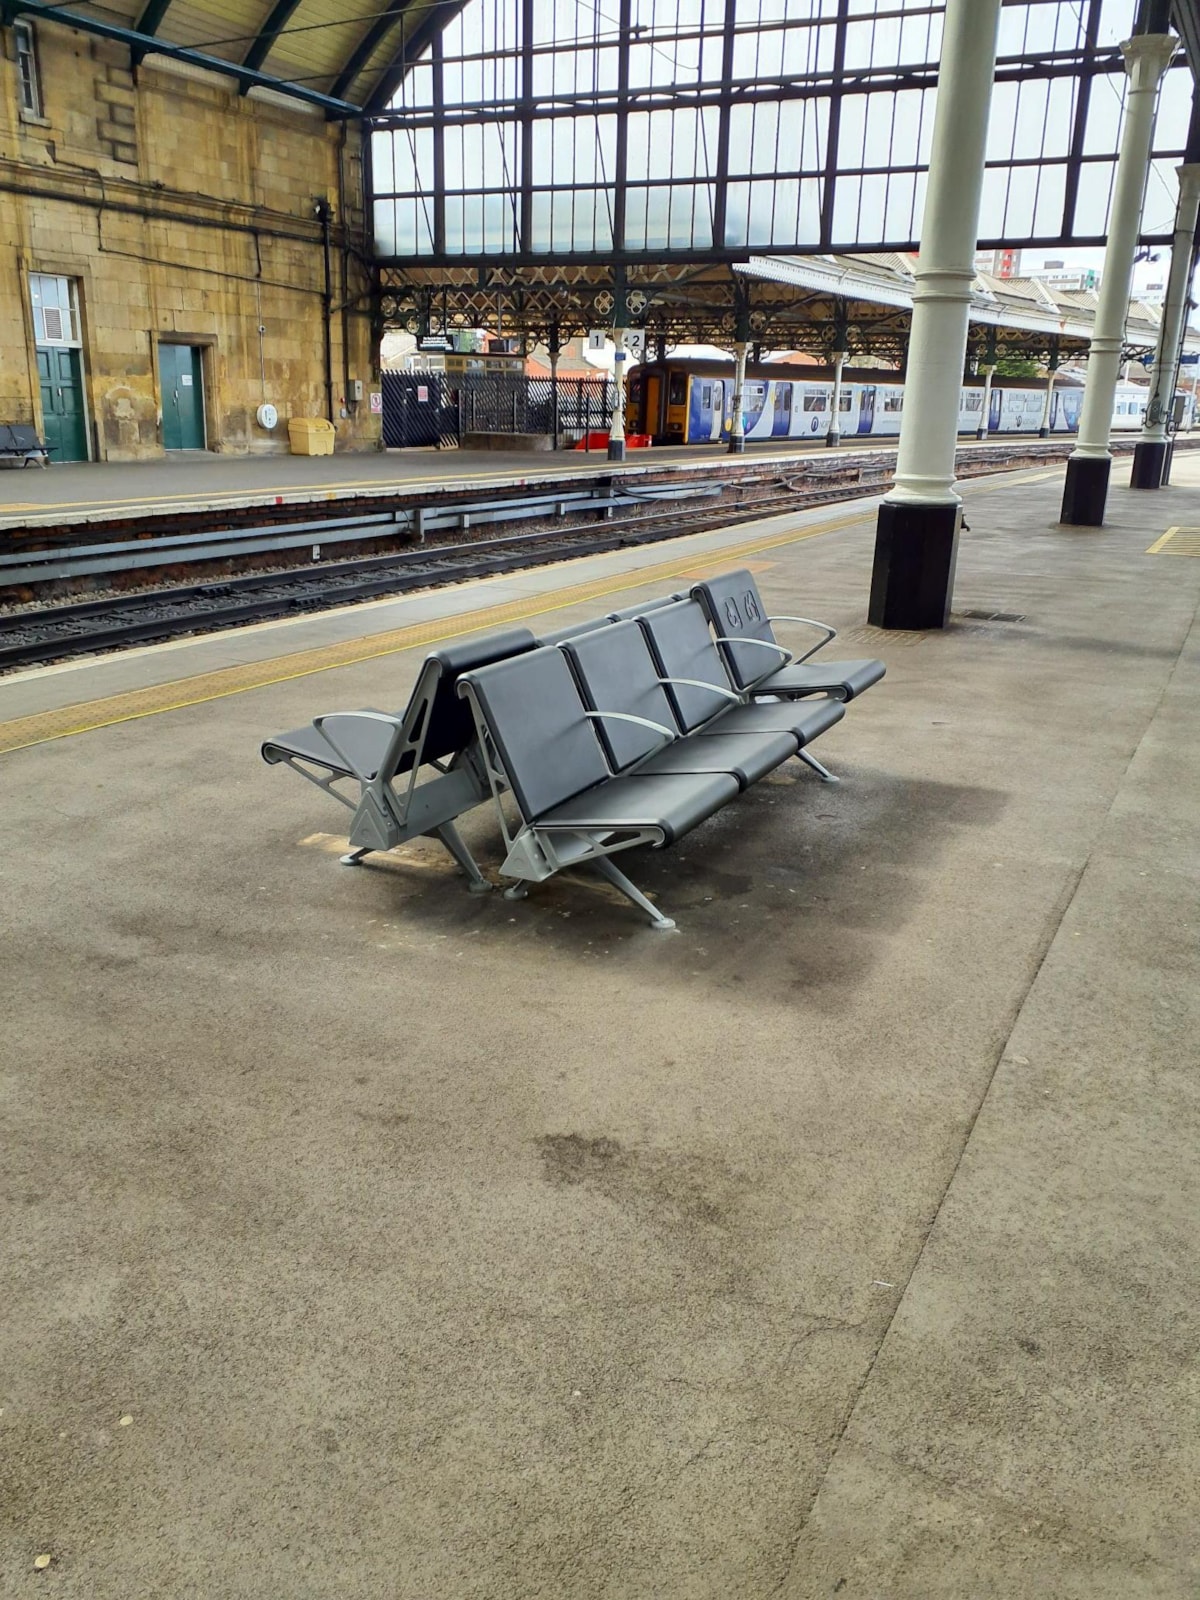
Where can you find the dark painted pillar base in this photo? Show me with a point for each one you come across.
(1086, 491)
(981, 433)
(616, 449)
(737, 447)
(1043, 433)
(832, 440)
(1168, 463)
(912, 580)
(1149, 459)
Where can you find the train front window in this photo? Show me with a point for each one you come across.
(706, 396)
(677, 390)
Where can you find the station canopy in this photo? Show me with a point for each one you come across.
(551, 166)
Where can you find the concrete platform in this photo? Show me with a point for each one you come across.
(104, 491)
(364, 1237)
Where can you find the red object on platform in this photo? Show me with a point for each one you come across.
(599, 441)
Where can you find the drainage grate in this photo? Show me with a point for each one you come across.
(993, 616)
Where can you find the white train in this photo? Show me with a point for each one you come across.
(691, 402)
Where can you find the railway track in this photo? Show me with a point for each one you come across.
(40, 634)
(58, 632)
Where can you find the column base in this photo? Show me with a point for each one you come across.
(981, 433)
(737, 446)
(1086, 491)
(832, 440)
(912, 579)
(1043, 433)
(616, 449)
(1149, 462)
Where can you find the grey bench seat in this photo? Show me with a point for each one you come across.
(406, 774)
(670, 803)
(755, 659)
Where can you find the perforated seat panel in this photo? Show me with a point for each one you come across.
(803, 719)
(847, 678)
(363, 742)
(745, 756)
(674, 804)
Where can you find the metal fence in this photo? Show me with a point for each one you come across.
(438, 408)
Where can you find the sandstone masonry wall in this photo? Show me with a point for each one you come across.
(185, 213)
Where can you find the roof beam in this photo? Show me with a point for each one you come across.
(368, 44)
(142, 44)
(148, 23)
(282, 13)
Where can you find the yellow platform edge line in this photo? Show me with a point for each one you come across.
(1160, 544)
(22, 733)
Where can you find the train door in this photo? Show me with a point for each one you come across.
(652, 417)
(721, 408)
(781, 421)
(994, 410)
(866, 408)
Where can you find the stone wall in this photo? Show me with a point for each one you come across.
(184, 213)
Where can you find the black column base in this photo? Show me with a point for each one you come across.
(616, 449)
(832, 440)
(1168, 463)
(1149, 459)
(1043, 433)
(912, 579)
(737, 446)
(1086, 491)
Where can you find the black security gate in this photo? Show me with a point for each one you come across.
(419, 408)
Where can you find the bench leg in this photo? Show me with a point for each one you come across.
(822, 772)
(452, 839)
(354, 857)
(619, 881)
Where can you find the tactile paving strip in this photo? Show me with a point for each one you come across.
(67, 721)
(1177, 542)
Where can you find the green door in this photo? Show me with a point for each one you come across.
(181, 376)
(61, 379)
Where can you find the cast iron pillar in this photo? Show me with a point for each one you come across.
(985, 418)
(1150, 452)
(616, 425)
(1147, 56)
(1048, 407)
(834, 436)
(737, 423)
(916, 541)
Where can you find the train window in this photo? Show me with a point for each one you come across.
(846, 403)
(893, 401)
(973, 402)
(677, 392)
(706, 396)
(814, 402)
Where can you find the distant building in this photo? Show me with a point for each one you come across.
(999, 263)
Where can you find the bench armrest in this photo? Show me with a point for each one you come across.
(669, 735)
(699, 683)
(809, 622)
(390, 750)
(765, 644)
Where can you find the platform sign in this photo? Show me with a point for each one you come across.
(435, 341)
(597, 339)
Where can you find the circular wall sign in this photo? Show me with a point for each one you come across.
(267, 416)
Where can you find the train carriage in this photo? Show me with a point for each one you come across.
(691, 402)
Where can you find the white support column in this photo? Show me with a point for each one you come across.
(737, 424)
(1150, 453)
(916, 540)
(616, 425)
(1146, 59)
(1044, 430)
(985, 419)
(834, 436)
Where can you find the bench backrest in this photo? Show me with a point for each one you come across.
(449, 727)
(682, 647)
(644, 606)
(616, 672)
(735, 608)
(22, 437)
(539, 726)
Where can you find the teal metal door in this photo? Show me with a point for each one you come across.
(61, 378)
(181, 376)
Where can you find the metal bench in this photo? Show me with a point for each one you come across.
(619, 752)
(755, 660)
(18, 439)
(409, 774)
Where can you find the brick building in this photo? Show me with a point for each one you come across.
(173, 256)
